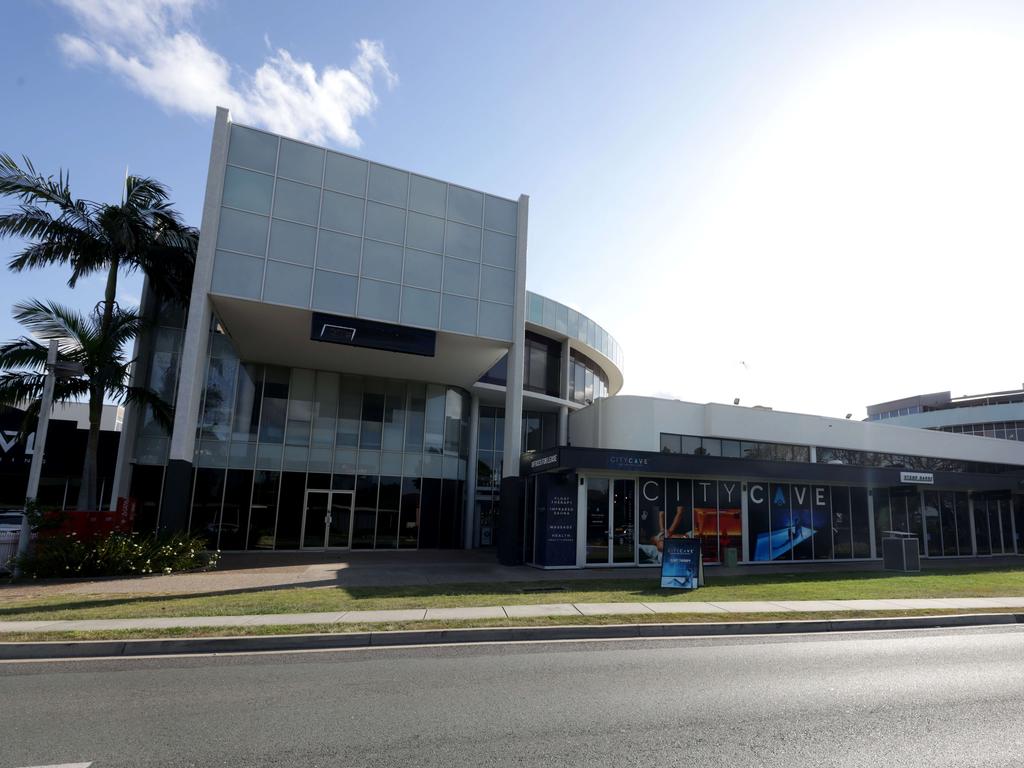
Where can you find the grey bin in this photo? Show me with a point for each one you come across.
(900, 553)
(730, 557)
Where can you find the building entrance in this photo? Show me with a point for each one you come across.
(610, 521)
(327, 520)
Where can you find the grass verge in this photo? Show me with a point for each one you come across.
(551, 621)
(1007, 582)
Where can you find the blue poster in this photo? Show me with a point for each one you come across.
(681, 564)
(555, 529)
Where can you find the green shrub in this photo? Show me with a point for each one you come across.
(116, 554)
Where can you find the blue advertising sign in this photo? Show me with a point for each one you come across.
(681, 563)
(556, 521)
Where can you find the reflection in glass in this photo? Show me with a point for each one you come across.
(597, 519)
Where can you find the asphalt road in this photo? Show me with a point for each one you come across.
(937, 698)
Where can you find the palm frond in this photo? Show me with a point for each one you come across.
(23, 353)
(18, 387)
(50, 320)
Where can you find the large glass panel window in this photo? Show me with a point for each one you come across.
(325, 409)
(860, 518)
(275, 404)
(394, 416)
(542, 363)
(415, 418)
(434, 419)
(388, 505)
(300, 407)
(364, 524)
(235, 514)
(292, 500)
(371, 425)
(409, 516)
(263, 511)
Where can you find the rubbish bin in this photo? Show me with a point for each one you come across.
(731, 557)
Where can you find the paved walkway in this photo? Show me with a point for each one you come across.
(517, 612)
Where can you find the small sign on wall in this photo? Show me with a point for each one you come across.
(917, 478)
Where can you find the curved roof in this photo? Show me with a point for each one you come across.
(583, 334)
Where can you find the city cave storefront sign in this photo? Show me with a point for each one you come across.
(627, 462)
(917, 478)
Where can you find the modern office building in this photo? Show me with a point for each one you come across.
(361, 366)
(357, 340)
(995, 414)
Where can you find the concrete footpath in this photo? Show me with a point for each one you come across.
(499, 612)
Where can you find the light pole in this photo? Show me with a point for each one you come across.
(53, 368)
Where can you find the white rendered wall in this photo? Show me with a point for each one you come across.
(636, 423)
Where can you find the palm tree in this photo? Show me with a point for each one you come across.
(101, 355)
(143, 232)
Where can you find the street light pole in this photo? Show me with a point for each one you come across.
(42, 426)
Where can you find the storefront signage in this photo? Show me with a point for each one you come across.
(556, 521)
(920, 478)
(552, 459)
(627, 462)
(681, 566)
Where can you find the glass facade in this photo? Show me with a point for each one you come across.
(309, 228)
(1001, 430)
(625, 520)
(713, 446)
(587, 381)
(561, 319)
(389, 457)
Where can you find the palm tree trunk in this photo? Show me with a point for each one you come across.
(90, 465)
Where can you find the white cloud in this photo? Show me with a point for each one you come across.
(152, 45)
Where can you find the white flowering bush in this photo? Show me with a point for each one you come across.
(116, 554)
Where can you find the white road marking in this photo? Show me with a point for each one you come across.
(62, 765)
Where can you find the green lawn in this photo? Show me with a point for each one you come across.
(818, 586)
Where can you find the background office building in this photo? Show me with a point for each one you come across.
(995, 414)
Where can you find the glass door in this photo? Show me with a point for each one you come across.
(611, 521)
(327, 520)
(597, 520)
(623, 523)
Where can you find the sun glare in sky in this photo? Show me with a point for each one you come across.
(848, 252)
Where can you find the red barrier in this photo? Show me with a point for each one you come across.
(89, 524)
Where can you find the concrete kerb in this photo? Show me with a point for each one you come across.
(94, 649)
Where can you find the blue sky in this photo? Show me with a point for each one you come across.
(811, 206)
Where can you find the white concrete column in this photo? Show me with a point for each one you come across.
(513, 447)
(469, 521)
(141, 354)
(563, 411)
(173, 513)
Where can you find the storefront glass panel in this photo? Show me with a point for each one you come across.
(597, 520)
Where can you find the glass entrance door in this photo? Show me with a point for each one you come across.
(611, 521)
(327, 520)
